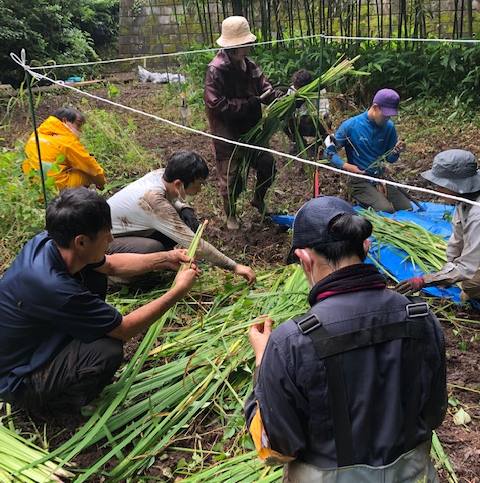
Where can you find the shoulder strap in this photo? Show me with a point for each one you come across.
(412, 356)
(330, 348)
(337, 393)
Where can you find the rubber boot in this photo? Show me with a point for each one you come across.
(229, 207)
(258, 201)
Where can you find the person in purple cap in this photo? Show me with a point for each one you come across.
(370, 139)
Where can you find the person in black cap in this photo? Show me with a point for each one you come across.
(455, 172)
(351, 390)
(370, 141)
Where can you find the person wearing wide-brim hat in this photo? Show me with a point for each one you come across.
(455, 172)
(235, 88)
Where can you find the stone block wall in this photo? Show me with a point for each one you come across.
(166, 26)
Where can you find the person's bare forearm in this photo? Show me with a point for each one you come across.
(142, 318)
(132, 264)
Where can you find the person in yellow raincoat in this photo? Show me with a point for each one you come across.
(64, 158)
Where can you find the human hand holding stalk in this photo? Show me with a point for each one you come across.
(400, 147)
(246, 272)
(258, 334)
(189, 271)
(143, 317)
(378, 166)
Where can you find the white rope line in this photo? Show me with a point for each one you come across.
(266, 42)
(21, 62)
(173, 54)
(403, 39)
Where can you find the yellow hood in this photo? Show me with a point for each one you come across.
(53, 126)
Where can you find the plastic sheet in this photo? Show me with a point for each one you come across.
(434, 217)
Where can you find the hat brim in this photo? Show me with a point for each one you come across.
(458, 185)
(389, 111)
(236, 42)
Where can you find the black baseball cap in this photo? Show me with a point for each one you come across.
(310, 228)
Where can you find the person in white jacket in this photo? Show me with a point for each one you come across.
(455, 172)
(149, 215)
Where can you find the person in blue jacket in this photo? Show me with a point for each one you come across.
(370, 139)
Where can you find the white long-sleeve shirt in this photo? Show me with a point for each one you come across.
(143, 207)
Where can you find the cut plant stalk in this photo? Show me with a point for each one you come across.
(441, 457)
(204, 373)
(281, 110)
(118, 391)
(422, 248)
(16, 452)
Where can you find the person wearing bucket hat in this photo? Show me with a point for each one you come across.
(235, 88)
(455, 172)
(362, 361)
(370, 139)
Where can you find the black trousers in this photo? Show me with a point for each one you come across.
(73, 378)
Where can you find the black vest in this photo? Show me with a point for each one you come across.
(373, 346)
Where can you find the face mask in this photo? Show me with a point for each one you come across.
(309, 275)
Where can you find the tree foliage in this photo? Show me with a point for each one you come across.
(59, 30)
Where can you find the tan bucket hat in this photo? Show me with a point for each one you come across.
(235, 32)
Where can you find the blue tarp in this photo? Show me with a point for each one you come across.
(434, 217)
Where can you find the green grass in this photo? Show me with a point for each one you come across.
(112, 139)
(21, 207)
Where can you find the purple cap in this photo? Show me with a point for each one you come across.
(387, 100)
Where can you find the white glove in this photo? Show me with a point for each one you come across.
(329, 141)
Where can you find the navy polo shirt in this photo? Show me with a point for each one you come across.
(42, 308)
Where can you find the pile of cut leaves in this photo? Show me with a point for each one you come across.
(189, 378)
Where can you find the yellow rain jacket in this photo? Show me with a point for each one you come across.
(58, 144)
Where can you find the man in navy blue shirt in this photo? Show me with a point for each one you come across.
(60, 342)
(370, 140)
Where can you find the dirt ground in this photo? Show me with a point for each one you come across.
(262, 243)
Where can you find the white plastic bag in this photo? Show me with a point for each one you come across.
(159, 78)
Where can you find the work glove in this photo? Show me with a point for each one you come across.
(269, 96)
(189, 218)
(411, 285)
(330, 141)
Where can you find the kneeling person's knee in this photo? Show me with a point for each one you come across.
(108, 355)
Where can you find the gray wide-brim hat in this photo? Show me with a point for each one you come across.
(456, 170)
